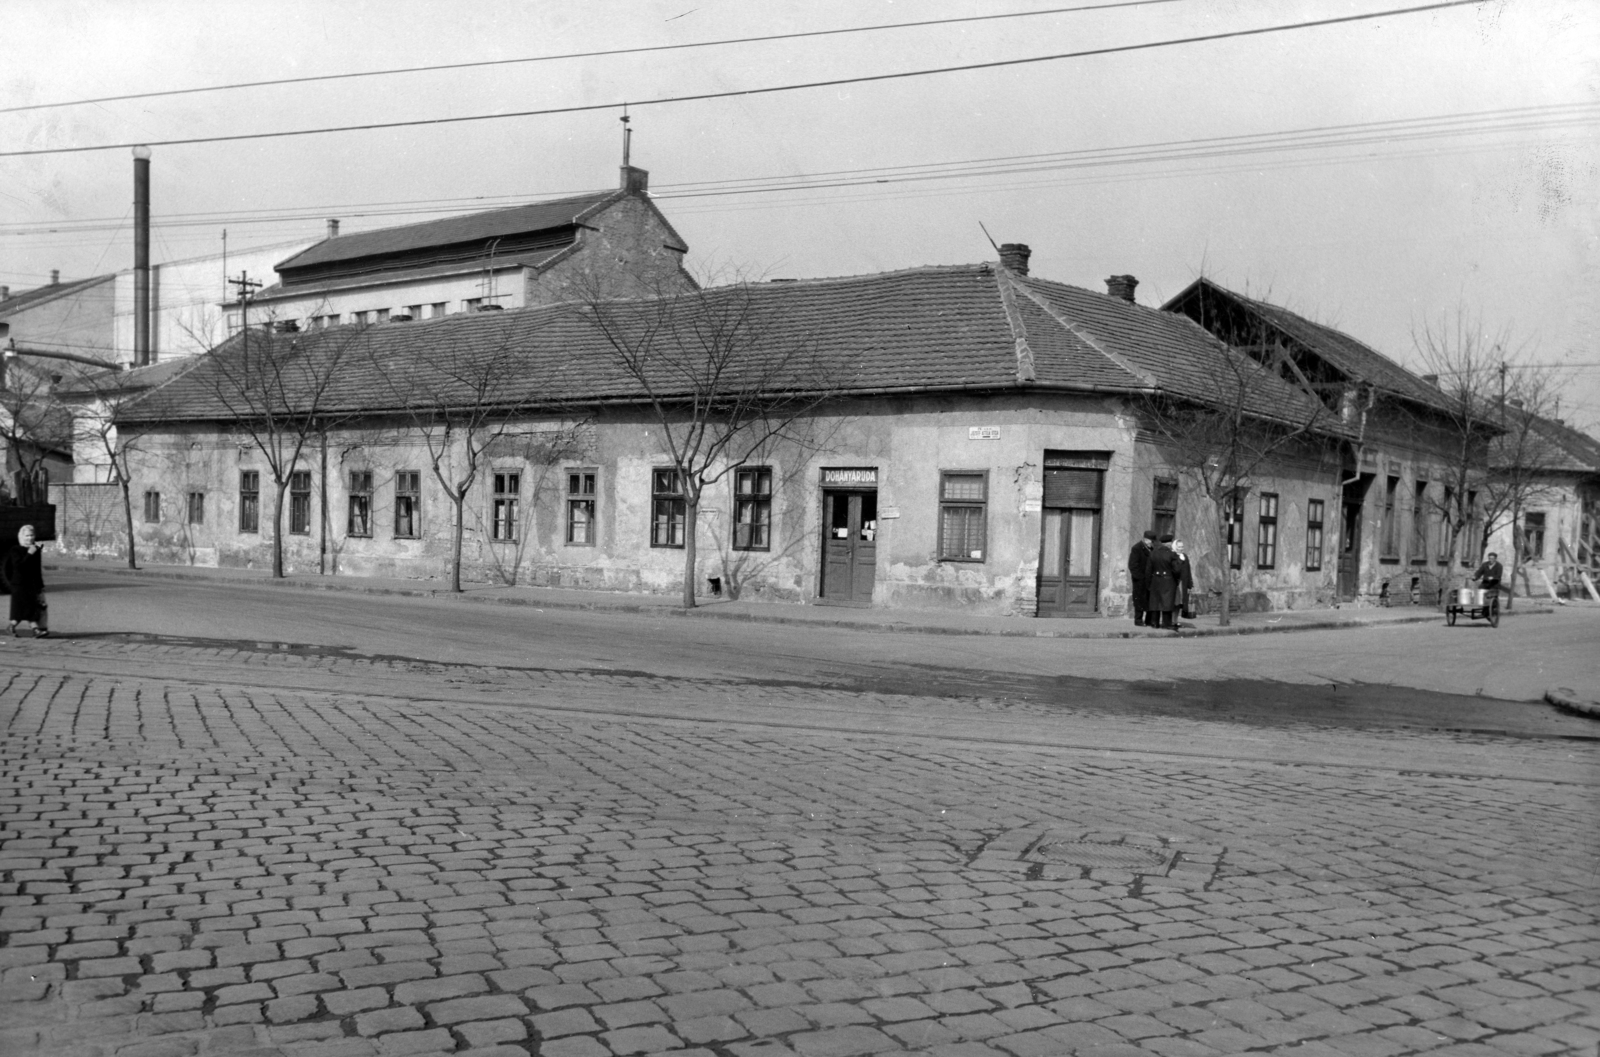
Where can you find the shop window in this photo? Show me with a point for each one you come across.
(1313, 535)
(1533, 537)
(667, 509)
(408, 504)
(1267, 532)
(152, 508)
(581, 526)
(752, 509)
(359, 521)
(1419, 522)
(503, 515)
(1233, 518)
(300, 503)
(249, 500)
(963, 515)
(1164, 506)
(197, 508)
(1390, 538)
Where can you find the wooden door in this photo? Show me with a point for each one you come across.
(1069, 547)
(849, 546)
(1350, 550)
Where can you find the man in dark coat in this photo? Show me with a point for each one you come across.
(1139, 575)
(1164, 571)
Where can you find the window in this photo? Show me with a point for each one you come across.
(580, 508)
(408, 504)
(197, 508)
(963, 503)
(383, 315)
(1390, 540)
(752, 509)
(249, 500)
(471, 304)
(359, 522)
(414, 311)
(1164, 507)
(507, 487)
(1533, 537)
(1233, 513)
(667, 509)
(152, 507)
(439, 308)
(300, 502)
(1267, 532)
(360, 319)
(1313, 535)
(1448, 512)
(1419, 522)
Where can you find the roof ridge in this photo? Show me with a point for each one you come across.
(1019, 328)
(1077, 330)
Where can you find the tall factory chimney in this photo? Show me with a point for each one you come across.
(141, 256)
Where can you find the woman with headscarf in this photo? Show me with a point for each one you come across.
(22, 571)
(1185, 577)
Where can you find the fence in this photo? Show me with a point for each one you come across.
(90, 520)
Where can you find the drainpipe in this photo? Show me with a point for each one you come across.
(322, 545)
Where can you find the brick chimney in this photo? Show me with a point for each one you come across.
(5, 292)
(55, 276)
(1121, 286)
(1014, 257)
(333, 227)
(635, 181)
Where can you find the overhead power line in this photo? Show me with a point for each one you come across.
(585, 54)
(769, 90)
(1392, 134)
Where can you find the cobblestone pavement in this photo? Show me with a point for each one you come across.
(215, 852)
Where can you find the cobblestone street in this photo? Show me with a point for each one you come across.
(374, 858)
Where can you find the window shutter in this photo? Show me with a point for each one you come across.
(1072, 488)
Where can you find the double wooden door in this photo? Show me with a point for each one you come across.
(1069, 549)
(849, 546)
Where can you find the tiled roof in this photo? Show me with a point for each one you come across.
(451, 231)
(1352, 358)
(950, 328)
(1549, 445)
(389, 276)
(42, 294)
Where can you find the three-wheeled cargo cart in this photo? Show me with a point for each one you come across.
(1476, 603)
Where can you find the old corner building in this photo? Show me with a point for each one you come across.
(980, 448)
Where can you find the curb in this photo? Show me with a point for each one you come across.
(1567, 699)
(709, 611)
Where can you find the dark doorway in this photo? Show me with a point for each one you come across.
(1069, 548)
(849, 546)
(1354, 497)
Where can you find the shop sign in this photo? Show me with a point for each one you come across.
(850, 475)
(983, 432)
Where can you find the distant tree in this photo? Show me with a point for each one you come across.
(97, 399)
(34, 426)
(1493, 458)
(1234, 419)
(458, 400)
(726, 376)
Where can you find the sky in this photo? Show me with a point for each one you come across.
(1456, 172)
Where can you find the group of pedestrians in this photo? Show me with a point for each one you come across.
(1162, 581)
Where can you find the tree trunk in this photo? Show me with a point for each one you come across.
(1516, 554)
(459, 499)
(691, 518)
(1224, 614)
(277, 530)
(127, 510)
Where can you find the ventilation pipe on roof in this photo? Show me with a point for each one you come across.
(1121, 286)
(333, 227)
(55, 276)
(1014, 257)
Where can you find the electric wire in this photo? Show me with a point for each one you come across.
(586, 54)
(767, 90)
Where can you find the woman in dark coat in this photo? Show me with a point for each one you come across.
(1185, 577)
(22, 570)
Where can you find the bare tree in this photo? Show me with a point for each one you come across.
(97, 399)
(278, 389)
(1493, 456)
(458, 400)
(726, 378)
(34, 428)
(1232, 422)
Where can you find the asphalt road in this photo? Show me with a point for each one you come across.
(1415, 675)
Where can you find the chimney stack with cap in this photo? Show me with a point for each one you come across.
(55, 276)
(635, 181)
(5, 292)
(333, 227)
(1014, 257)
(1122, 286)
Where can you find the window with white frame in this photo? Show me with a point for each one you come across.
(668, 509)
(752, 509)
(580, 507)
(1267, 532)
(359, 520)
(1314, 515)
(503, 514)
(963, 515)
(407, 504)
(300, 503)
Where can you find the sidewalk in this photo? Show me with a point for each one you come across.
(922, 621)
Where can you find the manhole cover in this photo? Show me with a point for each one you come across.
(1099, 856)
